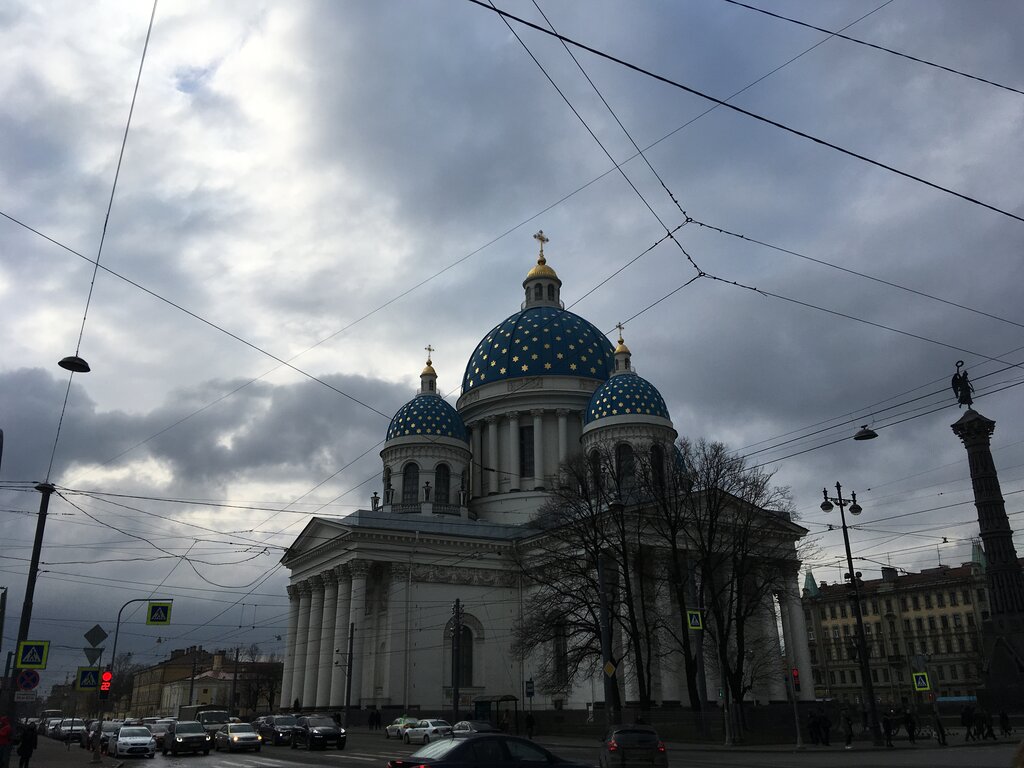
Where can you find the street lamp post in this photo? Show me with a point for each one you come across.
(867, 690)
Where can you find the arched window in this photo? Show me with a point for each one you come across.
(387, 477)
(410, 483)
(551, 292)
(538, 291)
(658, 467)
(442, 484)
(465, 661)
(595, 470)
(625, 469)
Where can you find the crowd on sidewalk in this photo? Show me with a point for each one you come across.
(978, 725)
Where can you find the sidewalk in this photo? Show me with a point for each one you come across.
(55, 754)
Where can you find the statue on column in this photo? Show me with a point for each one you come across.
(962, 387)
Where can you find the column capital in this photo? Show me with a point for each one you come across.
(400, 570)
(562, 412)
(304, 589)
(491, 419)
(535, 412)
(359, 568)
(513, 415)
(316, 583)
(293, 592)
(330, 578)
(342, 572)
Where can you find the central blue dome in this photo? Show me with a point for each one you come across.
(540, 341)
(625, 395)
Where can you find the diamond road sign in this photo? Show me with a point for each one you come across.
(95, 636)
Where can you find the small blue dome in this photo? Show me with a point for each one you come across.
(540, 341)
(428, 416)
(624, 395)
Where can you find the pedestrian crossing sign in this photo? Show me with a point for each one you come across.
(159, 614)
(921, 682)
(695, 619)
(32, 654)
(87, 679)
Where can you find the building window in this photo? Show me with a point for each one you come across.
(970, 619)
(835, 632)
(846, 630)
(981, 595)
(874, 605)
(411, 483)
(538, 291)
(954, 673)
(822, 614)
(842, 676)
(814, 656)
(940, 599)
(967, 597)
(874, 675)
(942, 672)
(919, 624)
(903, 604)
(526, 452)
(916, 602)
(957, 620)
(928, 600)
(625, 470)
(387, 478)
(906, 625)
(931, 622)
(443, 484)
(551, 292)
(885, 674)
(961, 645)
(832, 677)
(465, 660)
(953, 598)
(832, 611)
(842, 610)
(888, 605)
(944, 621)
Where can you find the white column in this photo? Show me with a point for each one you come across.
(316, 618)
(398, 602)
(357, 616)
(538, 448)
(513, 451)
(326, 665)
(798, 638)
(563, 435)
(301, 637)
(340, 646)
(491, 466)
(476, 476)
(289, 652)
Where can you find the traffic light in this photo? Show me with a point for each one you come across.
(796, 679)
(106, 680)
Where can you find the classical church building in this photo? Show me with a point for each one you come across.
(460, 486)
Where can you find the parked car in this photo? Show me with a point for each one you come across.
(69, 728)
(396, 728)
(468, 727)
(105, 728)
(276, 729)
(186, 736)
(425, 731)
(131, 740)
(317, 731)
(481, 749)
(234, 736)
(636, 746)
(159, 730)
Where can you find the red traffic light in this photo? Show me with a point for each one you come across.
(106, 678)
(796, 679)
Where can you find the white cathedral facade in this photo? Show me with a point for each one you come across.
(460, 485)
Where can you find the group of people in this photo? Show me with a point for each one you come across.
(977, 724)
(26, 740)
(374, 719)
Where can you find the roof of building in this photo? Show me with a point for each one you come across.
(539, 341)
(428, 415)
(625, 394)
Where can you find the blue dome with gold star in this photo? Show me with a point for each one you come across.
(539, 341)
(625, 394)
(429, 416)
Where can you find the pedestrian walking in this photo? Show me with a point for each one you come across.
(824, 725)
(1004, 724)
(846, 723)
(910, 725)
(814, 727)
(967, 721)
(940, 731)
(888, 725)
(529, 725)
(6, 740)
(986, 726)
(29, 742)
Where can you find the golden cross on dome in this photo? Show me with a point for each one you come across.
(620, 326)
(429, 349)
(541, 238)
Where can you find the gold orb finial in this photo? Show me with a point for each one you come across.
(622, 348)
(542, 269)
(429, 370)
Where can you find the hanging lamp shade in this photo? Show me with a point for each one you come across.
(75, 364)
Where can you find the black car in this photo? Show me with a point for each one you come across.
(636, 746)
(276, 729)
(491, 749)
(317, 731)
(186, 736)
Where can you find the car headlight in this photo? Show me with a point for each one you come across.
(207, 737)
(259, 737)
(177, 738)
(234, 738)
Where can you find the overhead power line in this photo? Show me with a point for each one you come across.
(760, 118)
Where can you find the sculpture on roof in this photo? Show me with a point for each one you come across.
(962, 387)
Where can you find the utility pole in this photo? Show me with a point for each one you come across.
(192, 680)
(348, 670)
(607, 665)
(456, 656)
(234, 685)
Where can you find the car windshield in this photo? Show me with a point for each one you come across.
(438, 724)
(133, 731)
(240, 728)
(192, 727)
(210, 718)
(111, 727)
(284, 720)
(73, 723)
(320, 722)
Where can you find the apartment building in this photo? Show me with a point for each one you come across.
(914, 622)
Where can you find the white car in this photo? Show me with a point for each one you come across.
(132, 740)
(68, 729)
(398, 726)
(424, 731)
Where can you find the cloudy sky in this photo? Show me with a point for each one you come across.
(337, 185)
